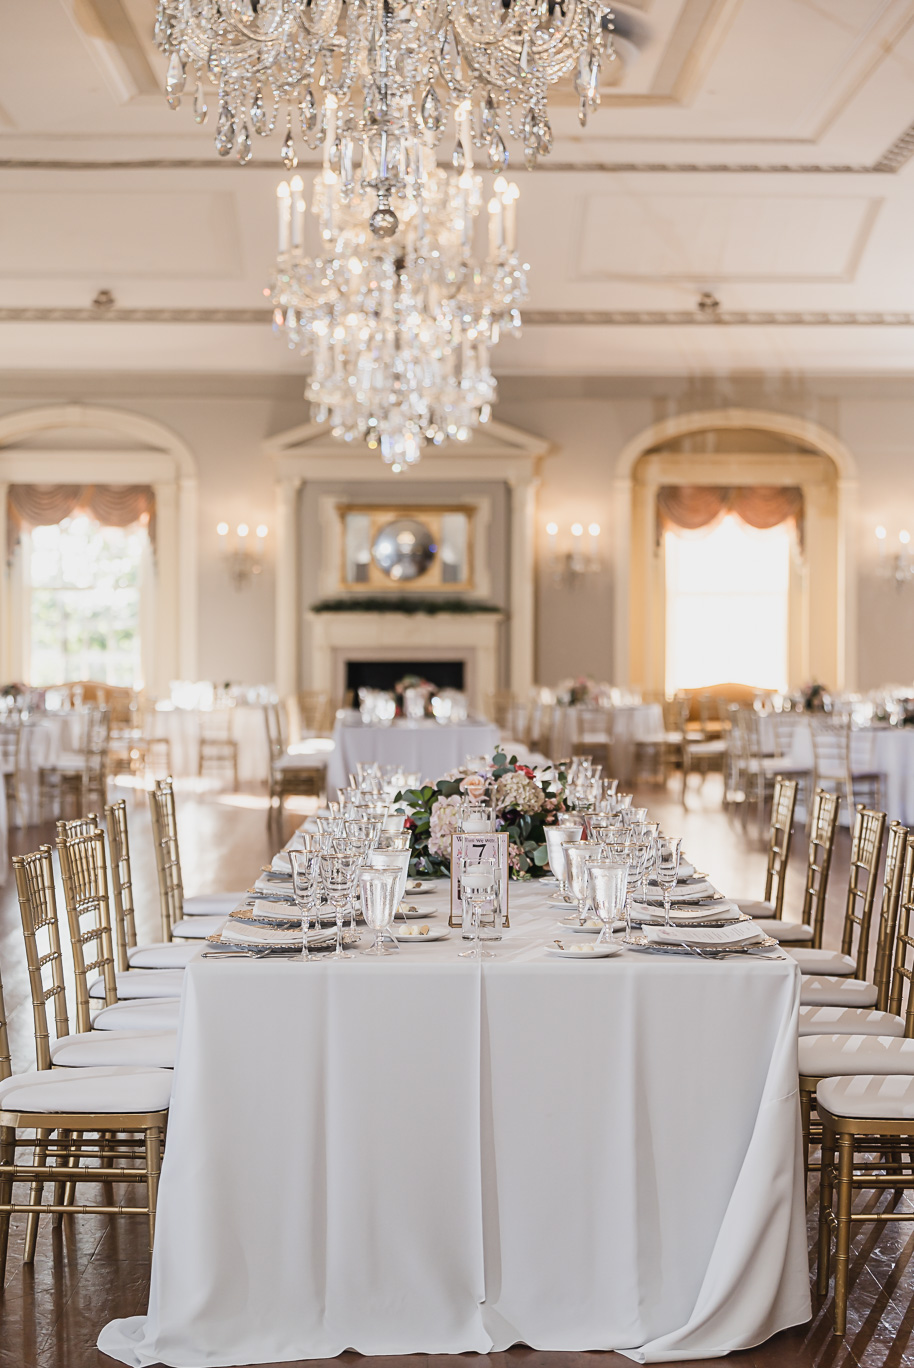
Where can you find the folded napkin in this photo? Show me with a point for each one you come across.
(281, 864)
(689, 892)
(706, 937)
(272, 911)
(702, 912)
(280, 888)
(686, 870)
(245, 933)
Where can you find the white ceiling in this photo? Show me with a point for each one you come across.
(757, 150)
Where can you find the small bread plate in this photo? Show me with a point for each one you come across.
(562, 900)
(583, 950)
(589, 927)
(416, 887)
(409, 935)
(406, 912)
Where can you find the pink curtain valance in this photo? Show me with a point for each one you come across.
(110, 505)
(700, 507)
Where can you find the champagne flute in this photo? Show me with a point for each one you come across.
(338, 873)
(577, 855)
(305, 885)
(667, 871)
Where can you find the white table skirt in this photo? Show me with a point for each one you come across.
(430, 747)
(888, 750)
(181, 726)
(428, 1155)
(621, 726)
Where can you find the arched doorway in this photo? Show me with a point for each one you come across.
(79, 444)
(738, 447)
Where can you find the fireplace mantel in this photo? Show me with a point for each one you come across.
(469, 637)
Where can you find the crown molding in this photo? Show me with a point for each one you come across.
(533, 318)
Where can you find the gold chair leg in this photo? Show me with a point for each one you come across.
(805, 1118)
(844, 1195)
(153, 1167)
(64, 1143)
(825, 1202)
(7, 1156)
(35, 1191)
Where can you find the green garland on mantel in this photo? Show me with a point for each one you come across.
(403, 603)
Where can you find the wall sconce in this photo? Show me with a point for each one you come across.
(897, 566)
(244, 559)
(573, 559)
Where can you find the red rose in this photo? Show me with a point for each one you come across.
(524, 769)
(410, 824)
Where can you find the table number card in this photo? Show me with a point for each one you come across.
(479, 846)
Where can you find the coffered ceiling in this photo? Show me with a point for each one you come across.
(743, 200)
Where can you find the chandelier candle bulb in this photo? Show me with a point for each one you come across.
(284, 199)
(296, 187)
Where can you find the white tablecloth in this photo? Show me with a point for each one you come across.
(182, 728)
(431, 1155)
(888, 750)
(430, 747)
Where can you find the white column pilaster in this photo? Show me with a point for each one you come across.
(523, 592)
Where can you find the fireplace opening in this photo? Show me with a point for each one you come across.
(384, 674)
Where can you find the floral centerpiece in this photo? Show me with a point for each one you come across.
(422, 686)
(581, 690)
(814, 697)
(526, 800)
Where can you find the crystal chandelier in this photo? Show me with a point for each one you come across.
(378, 75)
(399, 326)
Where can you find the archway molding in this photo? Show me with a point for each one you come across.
(823, 645)
(131, 449)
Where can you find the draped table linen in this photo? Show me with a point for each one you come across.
(433, 748)
(621, 725)
(885, 750)
(432, 1155)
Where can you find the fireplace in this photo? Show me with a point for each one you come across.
(384, 674)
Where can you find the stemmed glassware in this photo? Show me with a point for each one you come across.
(666, 869)
(393, 859)
(578, 856)
(607, 886)
(478, 886)
(557, 838)
(338, 873)
(306, 891)
(378, 891)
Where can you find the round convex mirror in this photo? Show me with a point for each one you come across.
(403, 549)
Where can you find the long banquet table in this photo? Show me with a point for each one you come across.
(434, 1155)
(431, 747)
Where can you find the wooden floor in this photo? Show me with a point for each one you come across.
(93, 1269)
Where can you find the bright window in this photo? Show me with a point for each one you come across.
(727, 606)
(84, 603)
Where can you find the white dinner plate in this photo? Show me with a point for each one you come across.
(434, 933)
(416, 887)
(583, 951)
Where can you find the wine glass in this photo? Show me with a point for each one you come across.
(577, 855)
(378, 891)
(667, 870)
(393, 859)
(478, 886)
(556, 840)
(338, 874)
(607, 886)
(637, 855)
(305, 890)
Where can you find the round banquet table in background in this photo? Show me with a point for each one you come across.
(621, 726)
(433, 748)
(181, 726)
(424, 1154)
(890, 752)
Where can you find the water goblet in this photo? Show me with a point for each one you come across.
(607, 887)
(378, 892)
(577, 855)
(666, 869)
(557, 837)
(338, 874)
(393, 859)
(478, 886)
(393, 840)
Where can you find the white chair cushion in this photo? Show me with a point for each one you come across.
(830, 962)
(822, 991)
(848, 1021)
(212, 904)
(826, 1056)
(88, 1090)
(754, 908)
(787, 932)
(159, 1014)
(198, 928)
(308, 764)
(142, 983)
(871, 1097)
(160, 955)
(123, 1049)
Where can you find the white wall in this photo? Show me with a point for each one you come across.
(224, 420)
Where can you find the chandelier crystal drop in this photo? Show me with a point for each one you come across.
(399, 322)
(394, 69)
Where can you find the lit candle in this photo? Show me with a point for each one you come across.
(495, 226)
(511, 196)
(329, 127)
(296, 186)
(471, 824)
(262, 531)
(242, 529)
(284, 197)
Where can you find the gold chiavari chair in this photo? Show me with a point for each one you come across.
(41, 934)
(82, 776)
(130, 955)
(865, 1108)
(818, 869)
(843, 761)
(291, 775)
(63, 1107)
(769, 913)
(85, 886)
(183, 918)
(841, 1009)
(11, 768)
(851, 960)
(141, 984)
(218, 749)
